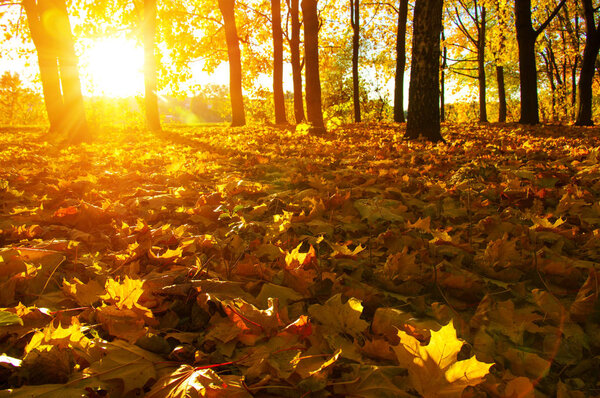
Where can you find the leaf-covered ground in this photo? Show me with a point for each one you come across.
(263, 262)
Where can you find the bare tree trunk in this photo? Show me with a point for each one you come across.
(501, 94)
(238, 116)
(150, 79)
(590, 55)
(481, 68)
(400, 62)
(424, 90)
(311, 54)
(59, 69)
(443, 79)
(278, 97)
(550, 75)
(575, 65)
(296, 64)
(355, 23)
(526, 37)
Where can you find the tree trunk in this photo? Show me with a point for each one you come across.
(400, 62)
(278, 98)
(355, 23)
(586, 77)
(424, 90)
(481, 68)
(443, 79)
(296, 64)
(238, 116)
(150, 79)
(550, 75)
(59, 71)
(501, 94)
(575, 65)
(311, 54)
(526, 37)
(47, 60)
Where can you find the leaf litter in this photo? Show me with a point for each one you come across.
(264, 262)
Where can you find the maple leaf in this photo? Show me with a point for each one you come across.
(187, 381)
(84, 294)
(373, 382)
(340, 317)
(434, 369)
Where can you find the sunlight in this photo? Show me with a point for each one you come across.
(114, 68)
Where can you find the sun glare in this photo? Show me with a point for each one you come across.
(114, 68)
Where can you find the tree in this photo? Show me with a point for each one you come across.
(424, 89)
(526, 38)
(278, 97)
(311, 54)
(499, 51)
(150, 85)
(590, 55)
(295, 61)
(11, 91)
(50, 29)
(238, 117)
(470, 17)
(443, 68)
(355, 24)
(400, 62)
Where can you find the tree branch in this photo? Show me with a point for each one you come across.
(550, 18)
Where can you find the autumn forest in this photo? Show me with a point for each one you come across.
(299, 198)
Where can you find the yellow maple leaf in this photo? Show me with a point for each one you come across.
(434, 369)
(123, 294)
(340, 317)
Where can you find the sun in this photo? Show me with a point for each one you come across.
(113, 67)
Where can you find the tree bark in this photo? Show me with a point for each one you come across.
(296, 64)
(501, 94)
(526, 37)
(424, 90)
(238, 116)
(400, 62)
(481, 68)
(311, 54)
(443, 79)
(150, 78)
(278, 98)
(355, 24)
(586, 76)
(59, 69)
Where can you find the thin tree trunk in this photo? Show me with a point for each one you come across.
(575, 65)
(400, 62)
(443, 79)
(424, 90)
(588, 63)
(278, 98)
(481, 68)
(238, 116)
(501, 94)
(355, 23)
(296, 64)
(550, 75)
(311, 54)
(150, 79)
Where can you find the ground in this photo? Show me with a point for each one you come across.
(268, 262)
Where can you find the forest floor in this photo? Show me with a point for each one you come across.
(264, 262)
